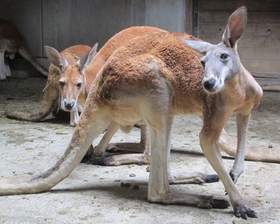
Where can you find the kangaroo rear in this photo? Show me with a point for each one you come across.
(11, 42)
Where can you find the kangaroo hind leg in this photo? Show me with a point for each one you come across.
(156, 114)
(159, 189)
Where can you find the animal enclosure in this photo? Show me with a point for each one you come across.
(47, 138)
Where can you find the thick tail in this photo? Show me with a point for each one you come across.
(50, 97)
(262, 154)
(228, 145)
(83, 135)
(25, 53)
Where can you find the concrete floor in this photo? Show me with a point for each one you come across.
(97, 194)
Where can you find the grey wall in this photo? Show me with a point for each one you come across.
(260, 44)
(27, 16)
(62, 23)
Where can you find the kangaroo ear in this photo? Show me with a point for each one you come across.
(235, 27)
(55, 58)
(87, 59)
(199, 46)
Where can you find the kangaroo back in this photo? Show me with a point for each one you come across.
(93, 65)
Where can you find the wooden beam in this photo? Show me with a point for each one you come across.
(271, 88)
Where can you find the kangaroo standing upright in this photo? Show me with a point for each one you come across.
(148, 81)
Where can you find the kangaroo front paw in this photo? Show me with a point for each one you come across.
(243, 212)
(234, 177)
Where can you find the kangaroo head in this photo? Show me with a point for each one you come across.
(221, 62)
(70, 82)
(71, 79)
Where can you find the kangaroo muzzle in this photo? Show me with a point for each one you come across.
(209, 84)
(68, 105)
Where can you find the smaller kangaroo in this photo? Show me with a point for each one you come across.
(52, 90)
(70, 80)
(11, 42)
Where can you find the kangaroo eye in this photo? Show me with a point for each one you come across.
(61, 83)
(203, 63)
(79, 84)
(224, 56)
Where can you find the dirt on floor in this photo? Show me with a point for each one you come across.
(99, 194)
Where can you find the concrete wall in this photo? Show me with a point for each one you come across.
(259, 46)
(62, 23)
(28, 17)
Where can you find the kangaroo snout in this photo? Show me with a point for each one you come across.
(209, 84)
(68, 105)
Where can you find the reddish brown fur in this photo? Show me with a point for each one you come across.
(182, 61)
(106, 51)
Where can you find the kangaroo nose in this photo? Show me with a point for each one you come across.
(209, 84)
(68, 105)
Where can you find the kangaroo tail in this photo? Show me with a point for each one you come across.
(49, 99)
(228, 145)
(262, 154)
(85, 132)
(25, 53)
